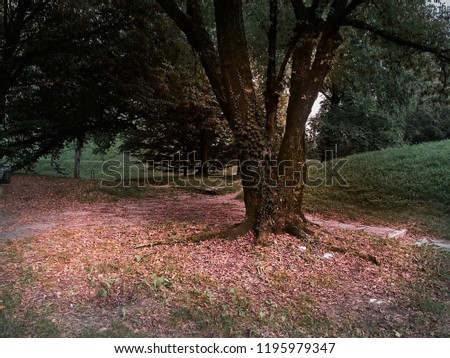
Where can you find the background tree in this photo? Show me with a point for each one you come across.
(106, 69)
(76, 81)
(376, 96)
(366, 96)
(425, 125)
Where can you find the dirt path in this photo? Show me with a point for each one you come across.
(41, 212)
(212, 211)
(218, 211)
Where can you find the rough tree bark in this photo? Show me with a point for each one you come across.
(244, 113)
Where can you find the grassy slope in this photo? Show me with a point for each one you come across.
(407, 186)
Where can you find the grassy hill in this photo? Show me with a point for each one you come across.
(408, 185)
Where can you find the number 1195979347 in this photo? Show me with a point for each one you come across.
(295, 348)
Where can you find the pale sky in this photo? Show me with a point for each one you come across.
(446, 2)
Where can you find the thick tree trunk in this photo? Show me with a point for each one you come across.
(272, 199)
(242, 109)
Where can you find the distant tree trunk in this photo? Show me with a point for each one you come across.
(2, 107)
(3, 122)
(53, 160)
(3, 91)
(79, 143)
(204, 147)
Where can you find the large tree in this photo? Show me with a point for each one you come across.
(273, 198)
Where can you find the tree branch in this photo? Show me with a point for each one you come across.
(176, 14)
(272, 39)
(441, 53)
(326, 95)
(299, 8)
(194, 11)
(350, 8)
(341, 15)
(200, 40)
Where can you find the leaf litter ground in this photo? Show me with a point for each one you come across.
(94, 263)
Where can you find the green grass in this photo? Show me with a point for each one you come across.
(92, 165)
(409, 185)
(115, 166)
(234, 314)
(28, 324)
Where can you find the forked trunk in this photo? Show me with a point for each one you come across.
(273, 186)
(285, 208)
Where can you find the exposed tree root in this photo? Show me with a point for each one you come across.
(362, 255)
(241, 229)
(297, 228)
(196, 239)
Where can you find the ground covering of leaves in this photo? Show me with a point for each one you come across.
(77, 259)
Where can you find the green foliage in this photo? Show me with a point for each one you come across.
(94, 72)
(184, 116)
(426, 125)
